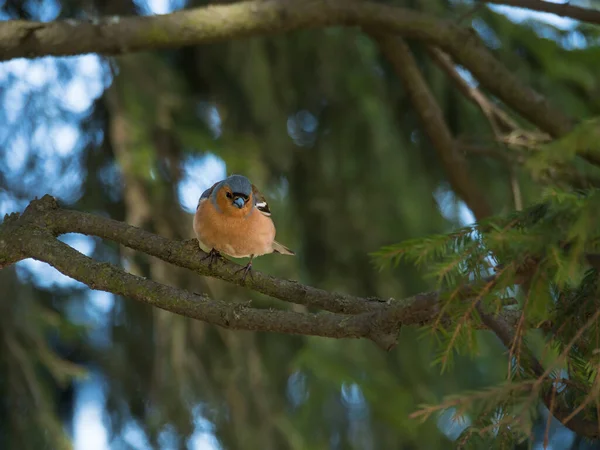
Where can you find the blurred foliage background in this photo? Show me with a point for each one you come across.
(318, 120)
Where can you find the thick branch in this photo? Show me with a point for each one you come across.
(399, 55)
(32, 235)
(215, 23)
(560, 9)
(107, 277)
(419, 309)
(187, 254)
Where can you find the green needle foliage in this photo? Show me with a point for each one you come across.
(321, 122)
(545, 256)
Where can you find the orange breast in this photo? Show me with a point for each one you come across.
(239, 237)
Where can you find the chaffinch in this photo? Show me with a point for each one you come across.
(232, 217)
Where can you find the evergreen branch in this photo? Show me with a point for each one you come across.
(217, 23)
(455, 401)
(515, 349)
(593, 395)
(462, 322)
(576, 423)
(33, 234)
(423, 251)
(400, 57)
(560, 9)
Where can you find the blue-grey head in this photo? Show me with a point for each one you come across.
(237, 189)
(234, 191)
(240, 189)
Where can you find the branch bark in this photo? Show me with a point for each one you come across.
(399, 55)
(34, 235)
(216, 23)
(499, 121)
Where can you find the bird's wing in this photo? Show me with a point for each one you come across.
(206, 194)
(260, 202)
(280, 248)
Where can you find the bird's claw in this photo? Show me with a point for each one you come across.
(247, 269)
(212, 256)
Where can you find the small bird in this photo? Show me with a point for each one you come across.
(233, 218)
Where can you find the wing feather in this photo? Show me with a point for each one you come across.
(260, 202)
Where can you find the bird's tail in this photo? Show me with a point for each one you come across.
(279, 248)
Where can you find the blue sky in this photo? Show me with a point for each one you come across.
(62, 140)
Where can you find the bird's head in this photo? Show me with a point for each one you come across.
(234, 195)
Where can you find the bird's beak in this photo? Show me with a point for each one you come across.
(239, 202)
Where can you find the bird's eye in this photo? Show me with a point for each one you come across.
(229, 195)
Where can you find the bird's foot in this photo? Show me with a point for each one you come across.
(247, 269)
(212, 256)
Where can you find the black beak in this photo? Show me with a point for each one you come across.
(239, 202)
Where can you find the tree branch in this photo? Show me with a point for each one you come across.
(559, 9)
(235, 316)
(432, 119)
(33, 234)
(187, 254)
(494, 115)
(490, 110)
(215, 23)
(398, 53)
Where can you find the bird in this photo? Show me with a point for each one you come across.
(233, 218)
